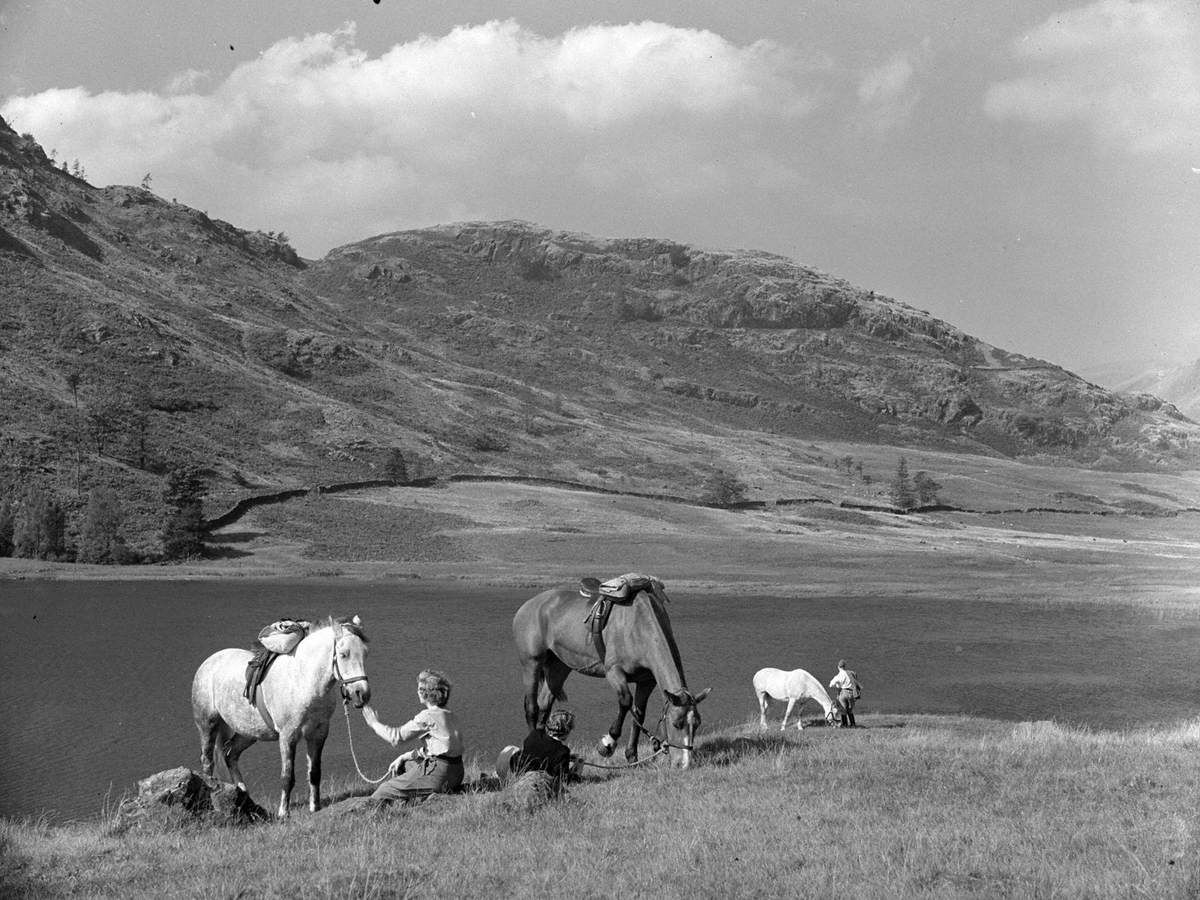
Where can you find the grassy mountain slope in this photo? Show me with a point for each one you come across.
(136, 333)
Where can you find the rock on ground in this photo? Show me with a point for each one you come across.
(181, 797)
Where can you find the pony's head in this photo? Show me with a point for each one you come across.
(832, 717)
(349, 660)
(683, 721)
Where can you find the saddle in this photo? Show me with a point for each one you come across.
(275, 640)
(623, 590)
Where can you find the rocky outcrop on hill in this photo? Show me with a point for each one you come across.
(745, 332)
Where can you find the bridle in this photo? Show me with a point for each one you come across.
(664, 743)
(337, 672)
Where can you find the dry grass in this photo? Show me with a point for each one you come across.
(926, 807)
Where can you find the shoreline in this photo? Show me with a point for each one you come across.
(517, 536)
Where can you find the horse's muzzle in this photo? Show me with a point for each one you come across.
(681, 757)
(358, 693)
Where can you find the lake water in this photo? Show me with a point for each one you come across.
(95, 677)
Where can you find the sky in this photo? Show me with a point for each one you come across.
(1028, 171)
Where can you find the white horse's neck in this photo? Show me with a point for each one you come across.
(817, 691)
(314, 656)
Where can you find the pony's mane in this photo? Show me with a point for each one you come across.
(344, 622)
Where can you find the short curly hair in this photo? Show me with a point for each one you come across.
(560, 723)
(433, 687)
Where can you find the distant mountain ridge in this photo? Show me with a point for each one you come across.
(1178, 384)
(137, 332)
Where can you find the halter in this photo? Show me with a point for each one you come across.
(337, 672)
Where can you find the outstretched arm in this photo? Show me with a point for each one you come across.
(393, 734)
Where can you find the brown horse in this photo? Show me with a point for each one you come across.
(552, 640)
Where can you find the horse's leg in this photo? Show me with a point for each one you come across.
(287, 773)
(208, 729)
(533, 675)
(315, 743)
(616, 678)
(555, 672)
(641, 698)
(787, 712)
(762, 708)
(232, 748)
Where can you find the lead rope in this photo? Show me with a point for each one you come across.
(353, 756)
(663, 745)
(661, 750)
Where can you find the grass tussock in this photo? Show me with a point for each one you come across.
(918, 807)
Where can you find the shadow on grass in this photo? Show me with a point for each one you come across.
(727, 749)
(211, 552)
(234, 537)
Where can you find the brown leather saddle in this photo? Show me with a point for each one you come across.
(274, 640)
(620, 590)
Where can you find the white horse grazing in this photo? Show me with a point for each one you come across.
(297, 699)
(795, 687)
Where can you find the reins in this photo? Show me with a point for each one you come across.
(342, 682)
(353, 755)
(661, 745)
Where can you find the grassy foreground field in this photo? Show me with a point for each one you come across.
(904, 807)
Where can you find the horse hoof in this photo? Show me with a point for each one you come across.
(604, 749)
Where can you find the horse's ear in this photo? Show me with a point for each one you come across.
(700, 696)
(356, 620)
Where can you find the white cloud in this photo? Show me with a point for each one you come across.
(318, 138)
(1129, 71)
(887, 82)
(887, 94)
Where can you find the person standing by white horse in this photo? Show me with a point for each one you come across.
(849, 689)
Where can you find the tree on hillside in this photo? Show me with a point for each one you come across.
(100, 536)
(722, 489)
(926, 488)
(900, 488)
(6, 527)
(39, 526)
(395, 469)
(183, 520)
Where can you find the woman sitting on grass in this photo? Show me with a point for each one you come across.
(435, 766)
(544, 751)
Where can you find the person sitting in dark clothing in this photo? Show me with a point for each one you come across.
(544, 751)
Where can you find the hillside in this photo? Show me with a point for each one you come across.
(136, 333)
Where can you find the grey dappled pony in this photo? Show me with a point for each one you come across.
(553, 640)
(298, 694)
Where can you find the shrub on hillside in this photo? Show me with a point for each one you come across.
(722, 489)
(489, 442)
(926, 489)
